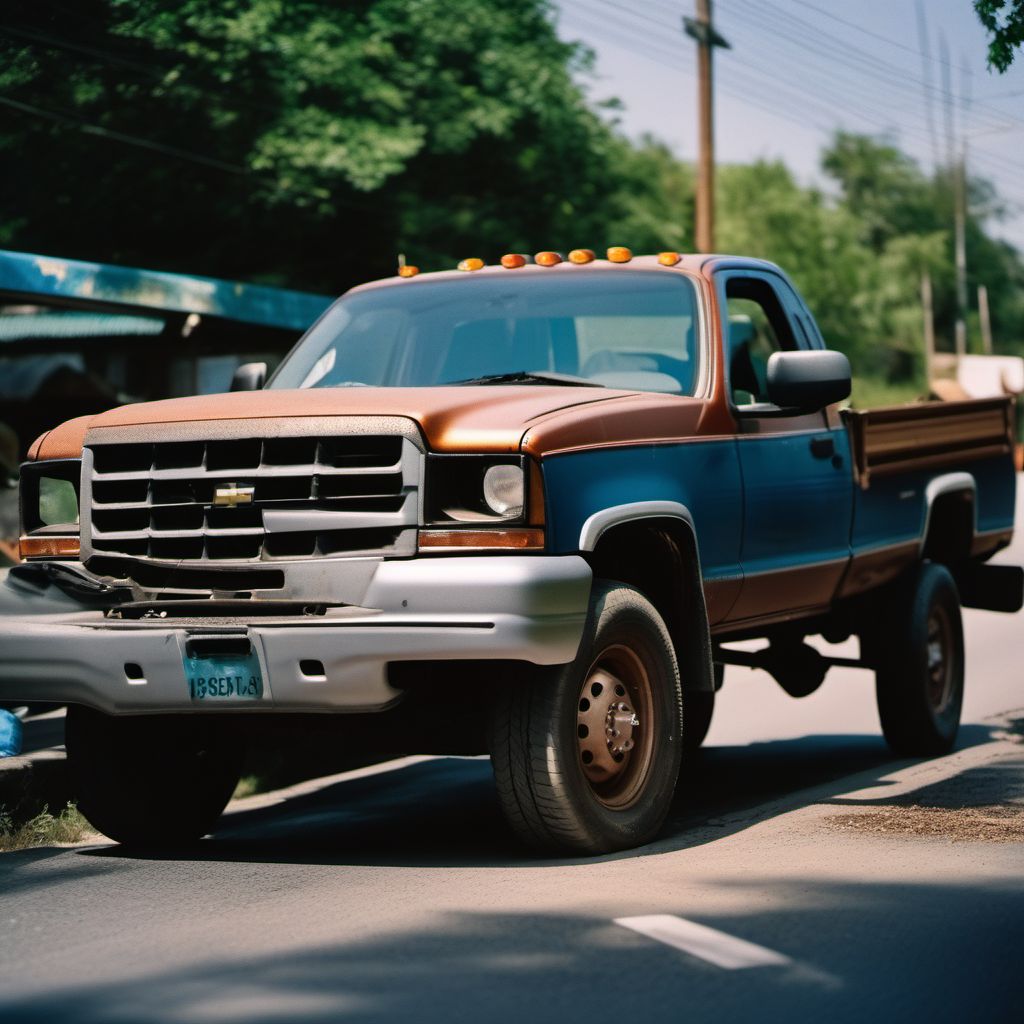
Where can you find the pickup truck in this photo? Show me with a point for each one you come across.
(520, 510)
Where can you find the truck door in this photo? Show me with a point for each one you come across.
(797, 481)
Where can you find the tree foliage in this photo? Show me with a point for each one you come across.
(308, 142)
(316, 139)
(1004, 20)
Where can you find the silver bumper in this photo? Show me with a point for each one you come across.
(428, 609)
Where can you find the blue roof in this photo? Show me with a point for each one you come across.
(49, 277)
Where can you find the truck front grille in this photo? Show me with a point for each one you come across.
(253, 499)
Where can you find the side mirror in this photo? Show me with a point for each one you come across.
(807, 380)
(249, 377)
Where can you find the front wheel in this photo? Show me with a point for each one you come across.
(919, 675)
(586, 755)
(151, 780)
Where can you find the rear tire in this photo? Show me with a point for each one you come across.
(151, 781)
(586, 755)
(919, 663)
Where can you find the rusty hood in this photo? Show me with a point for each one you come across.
(509, 418)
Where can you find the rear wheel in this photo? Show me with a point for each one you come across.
(586, 755)
(919, 655)
(151, 780)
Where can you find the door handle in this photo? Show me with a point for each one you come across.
(822, 447)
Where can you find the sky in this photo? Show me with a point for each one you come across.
(799, 69)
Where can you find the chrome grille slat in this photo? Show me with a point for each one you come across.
(203, 473)
(359, 497)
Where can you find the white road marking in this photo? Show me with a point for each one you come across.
(698, 940)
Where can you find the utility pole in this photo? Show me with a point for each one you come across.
(960, 230)
(986, 320)
(958, 173)
(702, 30)
(929, 331)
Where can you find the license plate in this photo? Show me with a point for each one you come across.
(225, 676)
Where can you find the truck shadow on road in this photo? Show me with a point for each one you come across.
(444, 811)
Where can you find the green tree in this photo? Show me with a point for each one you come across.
(905, 219)
(1004, 20)
(300, 141)
(763, 211)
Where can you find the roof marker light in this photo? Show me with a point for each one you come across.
(513, 260)
(406, 269)
(471, 264)
(669, 259)
(619, 254)
(547, 259)
(582, 256)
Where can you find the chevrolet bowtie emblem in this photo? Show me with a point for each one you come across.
(233, 494)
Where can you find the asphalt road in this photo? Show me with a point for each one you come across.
(803, 873)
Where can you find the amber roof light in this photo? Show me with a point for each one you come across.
(513, 261)
(471, 264)
(669, 259)
(408, 270)
(547, 259)
(582, 256)
(619, 254)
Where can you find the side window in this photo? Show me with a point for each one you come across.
(758, 326)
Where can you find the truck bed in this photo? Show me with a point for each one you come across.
(904, 438)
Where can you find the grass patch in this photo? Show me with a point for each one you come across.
(43, 830)
(872, 392)
(248, 785)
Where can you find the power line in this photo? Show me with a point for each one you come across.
(129, 140)
(752, 71)
(815, 40)
(656, 51)
(875, 35)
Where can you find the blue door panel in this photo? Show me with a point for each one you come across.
(798, 505)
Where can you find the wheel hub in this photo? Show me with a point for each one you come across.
(607, 726)
(939, 673)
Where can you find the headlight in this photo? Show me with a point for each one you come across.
(49, 508)
(482, 503)
(505, 491)
(475, 489)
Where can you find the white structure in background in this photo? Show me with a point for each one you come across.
(991, 376)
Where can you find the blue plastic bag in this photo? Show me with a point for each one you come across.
(10, 734)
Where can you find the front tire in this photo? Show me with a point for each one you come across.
(919, 675)
(151, 781)
(586, 755)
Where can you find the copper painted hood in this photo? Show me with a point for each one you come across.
(507, 418)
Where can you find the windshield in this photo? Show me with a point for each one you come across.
(618, 329)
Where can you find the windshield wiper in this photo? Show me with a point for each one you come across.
(532, 377)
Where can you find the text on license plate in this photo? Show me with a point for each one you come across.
(230, 673)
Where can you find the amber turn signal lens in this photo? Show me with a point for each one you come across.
(48, 547)
(513, 260)
(471, 264)
(517, 540)
(582, 256)
(547, 259)
(408, 270)
(619, 254)
(669, 259)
